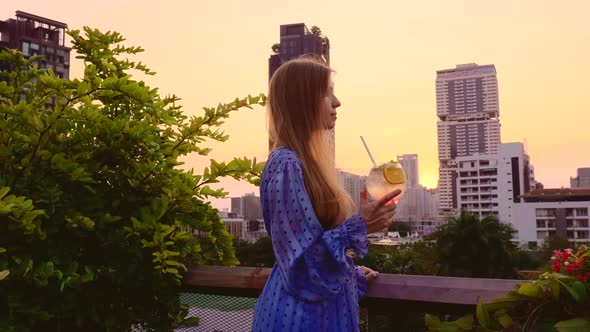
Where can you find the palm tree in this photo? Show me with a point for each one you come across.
(468, 246)
(316, 31)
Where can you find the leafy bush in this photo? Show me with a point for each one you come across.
(558, 301)
(97, 221)
(412, 258)
(257, 254)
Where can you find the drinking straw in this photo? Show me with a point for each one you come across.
(369, 152)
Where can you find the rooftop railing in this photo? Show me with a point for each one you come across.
(224, 298)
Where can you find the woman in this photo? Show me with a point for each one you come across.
(314, 285)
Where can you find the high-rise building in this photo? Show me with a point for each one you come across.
(582, 180)
(468, 122)
(248, 206)
(251, 207)
(297, 40)
(36, 35)
(409, 163)
(353, 184)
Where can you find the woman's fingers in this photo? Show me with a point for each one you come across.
(385, 199)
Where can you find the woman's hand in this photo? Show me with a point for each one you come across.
(378, 215)
(369, 274)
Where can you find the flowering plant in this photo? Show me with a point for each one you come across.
(572, 264)
(558, 301)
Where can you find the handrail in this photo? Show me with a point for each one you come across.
(249, 281)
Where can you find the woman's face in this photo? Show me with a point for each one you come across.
(328, 107)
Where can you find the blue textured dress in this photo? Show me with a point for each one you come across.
(314, 285)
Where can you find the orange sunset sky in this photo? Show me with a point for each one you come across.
(385, 53)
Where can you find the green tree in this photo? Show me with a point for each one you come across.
(276, 48)
(257, 254)
(97, 220)
(403, 228)
(468, 246)
(316, 31)
(413, 258)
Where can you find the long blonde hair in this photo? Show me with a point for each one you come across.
(295, 92)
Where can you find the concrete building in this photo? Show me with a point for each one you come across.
(247, 206)
(468, 113)
(582, 180)
(544, 212)
(236, 227)
(353, 184)
(490, 184)
(409, 163)
(36, 35)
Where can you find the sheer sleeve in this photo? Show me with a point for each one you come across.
(312, 262)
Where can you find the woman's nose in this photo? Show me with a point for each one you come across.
(335, 102)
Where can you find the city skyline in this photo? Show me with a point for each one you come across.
(385, 57)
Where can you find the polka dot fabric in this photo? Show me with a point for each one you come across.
(314, 286)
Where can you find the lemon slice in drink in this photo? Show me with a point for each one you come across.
(393, 174)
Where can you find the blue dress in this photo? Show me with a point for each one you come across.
(314, 285)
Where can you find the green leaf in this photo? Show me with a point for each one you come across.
(530, 289)
(432, 322)
(573, 325)
(465, 322)
(577, 290)
(483, 317)
(504, 319)
(4, 274)
(4, 191)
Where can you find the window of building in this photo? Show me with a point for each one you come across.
(570, 234)
(581, 223)
(582, 212)
(541, 235)
(25, 48)
(583, 234)
(540, 223)
(545, 212)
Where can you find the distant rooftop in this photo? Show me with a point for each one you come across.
(465, 67)
(557, 194)
(20, 14)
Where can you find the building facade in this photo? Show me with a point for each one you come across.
(468, 113)
(247, 206)
(582, 180)
(353, 184)
(490, 184)
(546, 212)
(409, 163)
(35, 35)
